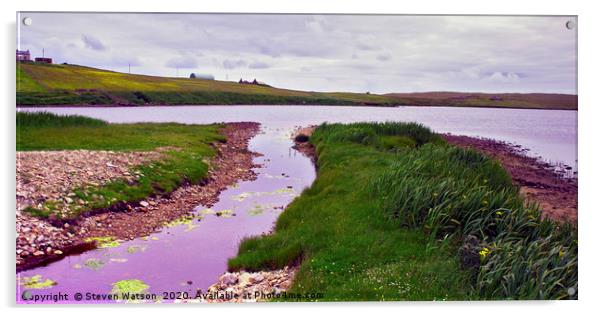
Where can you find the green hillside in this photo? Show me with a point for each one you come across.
(43, 84)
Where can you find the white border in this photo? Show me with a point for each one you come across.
(589, 148)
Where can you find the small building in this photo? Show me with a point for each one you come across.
(255, 82)
(23, 55)
(45, 60)
(202, 76)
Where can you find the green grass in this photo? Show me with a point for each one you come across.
(43, 84)
(29, 121)
(189, 146)
(393, 212)
(25, 83)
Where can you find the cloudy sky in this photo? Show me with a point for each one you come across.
(321, 52)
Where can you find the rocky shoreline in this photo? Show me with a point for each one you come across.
(39, 242)
(539, 181)
(245, 286)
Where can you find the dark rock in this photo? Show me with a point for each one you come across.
(301, 138)
(469, 253)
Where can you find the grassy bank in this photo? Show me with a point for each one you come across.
(45, 85)
(185, 148)
(397, 214)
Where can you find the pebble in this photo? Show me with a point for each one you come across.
(242, 283)
(52, 175)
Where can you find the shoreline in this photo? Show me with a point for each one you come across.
(232, 163)
(292, 104)
(538, 181)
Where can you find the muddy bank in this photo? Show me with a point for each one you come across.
(538, 180)
(39, 242)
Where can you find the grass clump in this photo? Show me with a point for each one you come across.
(183, 161)
(27, 120)
(397, 214)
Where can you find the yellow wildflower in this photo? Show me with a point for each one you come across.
(484, 252)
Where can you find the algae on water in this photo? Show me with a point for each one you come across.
(94, 264)
(241, 197)
(36, 282)
(125, 288)
(136, 248)
(104, 242)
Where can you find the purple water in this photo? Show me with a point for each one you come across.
(190, 256)
(551, 134)
(186, 258)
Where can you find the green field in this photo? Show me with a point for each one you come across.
(398, 214)
(44, 85)
(189, 146)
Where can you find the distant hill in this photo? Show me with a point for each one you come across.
(504, 100)
(44, 85)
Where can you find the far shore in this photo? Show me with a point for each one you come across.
(294, 105)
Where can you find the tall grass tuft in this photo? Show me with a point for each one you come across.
(453, 192)
(46, 119)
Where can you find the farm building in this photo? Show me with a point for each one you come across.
(202, 76)
(255, 82)
(23, 55)
(46, 60)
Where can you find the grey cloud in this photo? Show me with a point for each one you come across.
(259, 65)
(231, 64)
(93, 43)
(364, 46)
(384, 57)
(182, 62)
(423, 53)
(504, 77)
